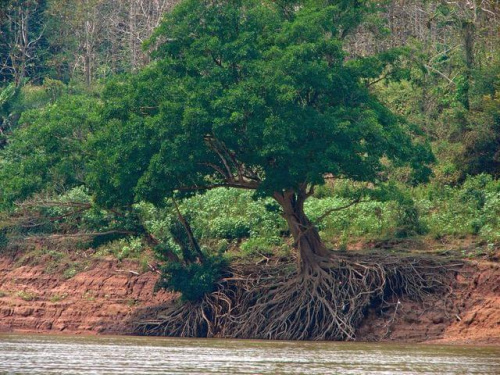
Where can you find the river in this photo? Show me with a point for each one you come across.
(43, 354)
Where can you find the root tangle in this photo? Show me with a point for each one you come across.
(326, 301)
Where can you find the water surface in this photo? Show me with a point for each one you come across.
(39, 354)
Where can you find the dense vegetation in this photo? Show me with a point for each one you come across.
(228, 131)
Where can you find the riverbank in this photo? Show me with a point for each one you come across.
(96, 300)
(105, 297)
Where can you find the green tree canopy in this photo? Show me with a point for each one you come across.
(47, 151)
(254, 95)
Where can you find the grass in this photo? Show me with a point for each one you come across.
(27, 296)
(89, 296)
(58, 297)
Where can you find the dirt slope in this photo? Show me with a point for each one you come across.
(469, 314)
(104, 299)
(94, 301)
(478, 308)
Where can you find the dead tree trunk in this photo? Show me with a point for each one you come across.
(306, 237)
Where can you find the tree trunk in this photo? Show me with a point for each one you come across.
(132, 35)
(468, 29)
(306, 237)
(189, 232)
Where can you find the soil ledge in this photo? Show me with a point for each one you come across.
(107, 297)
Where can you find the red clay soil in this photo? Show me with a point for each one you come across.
(477, 307)
(105, 298)
(95, 301)
(469, 314)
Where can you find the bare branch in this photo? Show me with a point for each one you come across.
(240, 185)
(428, 67)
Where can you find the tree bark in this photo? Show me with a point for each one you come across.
(306, 237)
(132, 35)
(189, 232)
(468, 29)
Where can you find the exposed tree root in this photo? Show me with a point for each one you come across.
(325, 301)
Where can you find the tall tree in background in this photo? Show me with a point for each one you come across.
(96, 38)
(144, 17)
(21, 35)
(452, 67)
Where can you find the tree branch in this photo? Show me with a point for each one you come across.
(244, 185)
(428, 67)
(335, 209)
(216, 168)
(211, 142)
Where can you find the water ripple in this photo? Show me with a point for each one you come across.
(27, 354)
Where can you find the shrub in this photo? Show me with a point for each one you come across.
(369, 218)
(232, 214)
(470, 209)
(130, 247)
(193, 280)
(407, 219)
(27, 296)
(260, 245)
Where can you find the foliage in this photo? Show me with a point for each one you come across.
(274, 89)
(22, 40)
(193, 280)
(219, 218)
(58, 297)
(27, 296)
(125, 248)
(14, 100)
(472, 209)
(452, 83)
(3, 239)
(260, 246)
(232, 214)
(434, 210)
(271, 97)
(47, 152)
(7, 97)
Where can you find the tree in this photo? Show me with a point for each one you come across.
(251, 95)
(46, 153)
(452, 53)
(96, 38)
(7, 96)
(21, 37)
(143, 17)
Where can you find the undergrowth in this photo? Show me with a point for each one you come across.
(253, 228)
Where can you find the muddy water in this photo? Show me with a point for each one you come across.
(26, 354)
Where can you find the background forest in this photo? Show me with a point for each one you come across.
(60, 66)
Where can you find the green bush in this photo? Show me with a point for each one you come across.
(193, 280)
(124, 248)
(260, 246)
(48, 152)
(232, 214)
(230, 228)
(470, 209)
(407, 220)
(364, 219)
